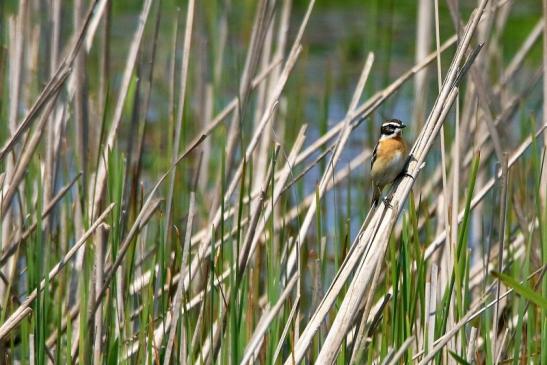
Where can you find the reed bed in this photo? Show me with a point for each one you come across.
(173, 190)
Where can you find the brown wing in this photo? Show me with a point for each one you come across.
(374, 152)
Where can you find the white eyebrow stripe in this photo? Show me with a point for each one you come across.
(391, 124)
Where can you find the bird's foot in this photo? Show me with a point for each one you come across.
(387, 201)
(405, 173)
(408, 174)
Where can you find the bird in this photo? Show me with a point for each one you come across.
(388, 158)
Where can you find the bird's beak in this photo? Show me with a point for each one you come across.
(403, 125)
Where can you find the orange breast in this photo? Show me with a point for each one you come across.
(390, 158)
(389, 146)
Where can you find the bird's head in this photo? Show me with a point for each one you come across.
(391, 128)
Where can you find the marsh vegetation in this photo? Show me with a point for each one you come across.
(188, 182)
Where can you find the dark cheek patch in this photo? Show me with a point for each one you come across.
(387, 130)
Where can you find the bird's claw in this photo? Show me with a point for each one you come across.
(408, 174)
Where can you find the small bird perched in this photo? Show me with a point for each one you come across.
(388, 158)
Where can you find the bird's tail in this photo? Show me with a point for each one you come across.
(376, 196)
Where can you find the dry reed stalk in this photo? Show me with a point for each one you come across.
(15, 55)
(175, 311)
(361, 334)
(80, 102)
(32, 355)
(471, 344)
(16, 60)
(49, 169)
(329, 357)
(261, 153)
(431, 307)
(288, 324)
(173, 72)
(393, 358)
(203, 177)
(485, 103)
(104, 70)
(281, 43)
(446, 256)
(423, 44)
